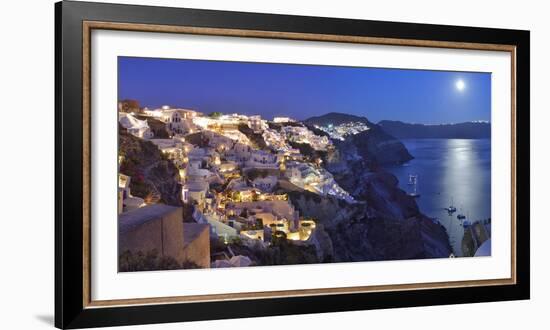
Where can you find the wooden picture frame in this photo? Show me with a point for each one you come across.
(74, 307)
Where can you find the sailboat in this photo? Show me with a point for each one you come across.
(451, 208)
(413, 180)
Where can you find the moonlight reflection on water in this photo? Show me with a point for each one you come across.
(457, 170)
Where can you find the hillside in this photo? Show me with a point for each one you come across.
(335, 118)
(386, 226)
(158, 127)
(374, 145)
(386, 223)
(153, 176)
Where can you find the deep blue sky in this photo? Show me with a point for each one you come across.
(302, 91)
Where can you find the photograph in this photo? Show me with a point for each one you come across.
(244, 164)
(263, 163)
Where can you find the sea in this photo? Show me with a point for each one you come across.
(449, 172)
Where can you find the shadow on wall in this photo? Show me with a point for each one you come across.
(48, 319)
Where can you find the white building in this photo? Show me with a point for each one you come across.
(195, 191)
(265, 184)
(127, 202)
(256, 123)
(315, 179)
(198, 175)
(155, 113)
(275, 140)
(202, 157)
(178, 121)
(218, 141)
(173, 148)
(227, 166)
(263, 157)
(282, 120)
(240, 153)
(304, 135)
(134, 126)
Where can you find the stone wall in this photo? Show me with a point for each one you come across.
(196, 244)
(152, 227)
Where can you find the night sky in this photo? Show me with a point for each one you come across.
(303, 91)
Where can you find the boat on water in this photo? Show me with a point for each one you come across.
(451, 208)
(460, 215)
(413, 180)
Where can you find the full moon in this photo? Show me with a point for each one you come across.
(460, 85)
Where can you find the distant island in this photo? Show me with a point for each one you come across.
(467, 130)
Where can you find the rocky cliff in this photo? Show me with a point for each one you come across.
(373, 145)
(385, 223)
(153, 177)
(380, 148)
(385, 227)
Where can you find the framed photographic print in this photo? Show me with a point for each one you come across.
(218, 164)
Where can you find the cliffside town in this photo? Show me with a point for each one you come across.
(230, 190)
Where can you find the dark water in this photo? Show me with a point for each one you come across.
(450, 169)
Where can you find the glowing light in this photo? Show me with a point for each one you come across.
(460, 85)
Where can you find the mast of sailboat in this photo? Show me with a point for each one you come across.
(413, 180)
(451, 208)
